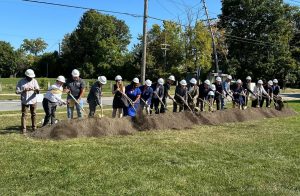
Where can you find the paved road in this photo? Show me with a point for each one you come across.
(12, 105)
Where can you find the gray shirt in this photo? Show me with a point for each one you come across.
(27, 97)
(75, 87)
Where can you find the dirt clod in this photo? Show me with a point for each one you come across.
(96, 127)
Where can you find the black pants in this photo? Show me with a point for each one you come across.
(92, 107)
(155, 103)
(182, 106)
(162, 108)
(268, 102)
(49, 108)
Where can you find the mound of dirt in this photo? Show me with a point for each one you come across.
(96, 127)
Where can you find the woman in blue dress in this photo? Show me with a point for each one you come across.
(133, 93)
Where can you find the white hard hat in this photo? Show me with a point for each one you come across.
(61, 79)
(171, 78)
(75, 73)
(136, 80)
(183, 82)
(248, 78)
(102, 79)
(239, 81)
(259, 82)
(270, 82)
(213, 87)
(118, 77)
(218, 79)
(207, 82)
(275, 81)
(229, 77)
(211, 93)
(193, 81)
(160, 81)
(148, 82)
(29, 73)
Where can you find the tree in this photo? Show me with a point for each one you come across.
(258, 34)
(7, 59)
(34, 46)
(98, 43)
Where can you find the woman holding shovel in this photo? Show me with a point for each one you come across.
(52, 99)
(133, 94)
(118, 102)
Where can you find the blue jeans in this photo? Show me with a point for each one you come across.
(70, 110)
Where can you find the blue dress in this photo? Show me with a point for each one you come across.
(132, 93)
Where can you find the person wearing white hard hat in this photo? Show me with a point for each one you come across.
(75, 87)
(52, 99)
(249, 87)
(239, 95)
(276, 88)
(226, 86)
(180, 96)
(94, 97)
(269, 89)
(193, 94)
(211, 96)
(133, 94)
(204, 89)
(219, 93)
(119, 101)
(258, 93)
(167, 87)
(146, 96)
(158, 94)
(28, 87)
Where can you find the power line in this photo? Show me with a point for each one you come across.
(139, 16)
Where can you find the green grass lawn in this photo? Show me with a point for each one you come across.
(252, 158)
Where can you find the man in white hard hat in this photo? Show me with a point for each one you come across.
(258, 93)
(180, 96)
(52, 99)
(28, 88)
(219, 93)
(226, 87)
(269, 89)
(133, 94)
(204, 89)
(276, 87)
(167, 87)
(239, 95)
(158, 94)
(75, 87)
(146, 96)
(94, 97)
(193, 94)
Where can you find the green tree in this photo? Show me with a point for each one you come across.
(34, 46)
(7, 59)
(258, 34)
(98, 43)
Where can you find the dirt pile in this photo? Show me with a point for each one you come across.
(96, 127)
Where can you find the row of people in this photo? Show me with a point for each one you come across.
(133, 98)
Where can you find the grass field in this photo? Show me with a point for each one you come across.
(252, 158)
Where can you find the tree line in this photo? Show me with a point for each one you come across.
(258, 38)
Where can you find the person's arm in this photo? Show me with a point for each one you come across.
(82, 89)
(97, 94)
(19, 88)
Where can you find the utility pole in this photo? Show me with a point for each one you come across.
(212, 37)
(143, 68)
(165, 48)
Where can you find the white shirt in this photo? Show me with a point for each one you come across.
(259, 91)
(27, 97)
(54, 93)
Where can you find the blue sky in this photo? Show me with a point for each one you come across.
(20, 20)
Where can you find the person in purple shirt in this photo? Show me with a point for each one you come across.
(133, 94)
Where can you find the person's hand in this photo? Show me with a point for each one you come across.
(67, 90)
(64, 103)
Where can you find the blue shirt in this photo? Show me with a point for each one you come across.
(132, 93)
(146, 93)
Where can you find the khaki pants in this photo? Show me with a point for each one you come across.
(25, 108)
